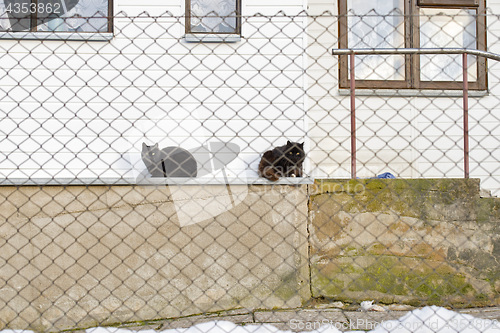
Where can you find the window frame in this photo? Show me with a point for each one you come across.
(33, 33)
(211, 35)
(412, 79)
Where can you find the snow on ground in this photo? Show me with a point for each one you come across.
(436, 319)
(431, 319)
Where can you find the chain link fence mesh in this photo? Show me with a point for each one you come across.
(131, 192)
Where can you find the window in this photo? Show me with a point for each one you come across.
(210, 20)
(55, 16)
(413, 24)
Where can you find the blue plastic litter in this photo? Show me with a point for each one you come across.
(386, 175)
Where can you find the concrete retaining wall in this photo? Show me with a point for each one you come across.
(79, 256)
(413, 241)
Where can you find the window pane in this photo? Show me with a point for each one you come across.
(447, 28)
(4, 18)
(15, 19)
(209, 16)
(56, 15)
(80, 16)
(377, 24)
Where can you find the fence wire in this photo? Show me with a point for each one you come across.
(156, 179)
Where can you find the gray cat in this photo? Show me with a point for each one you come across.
(169, 161)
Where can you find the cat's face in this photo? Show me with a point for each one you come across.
(150, 153)
(294, 152)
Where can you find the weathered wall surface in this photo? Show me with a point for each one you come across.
(415, 241)
(81, 256)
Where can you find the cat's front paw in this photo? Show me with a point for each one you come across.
(293, 175)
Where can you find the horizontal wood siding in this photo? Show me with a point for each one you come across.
(408, 136)
(78, 109)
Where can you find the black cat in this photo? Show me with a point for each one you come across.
(283, 161)
(168, 162)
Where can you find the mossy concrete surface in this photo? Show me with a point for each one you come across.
(418, 241)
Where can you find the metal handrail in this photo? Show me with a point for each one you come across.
(385, 51)
(444, 50)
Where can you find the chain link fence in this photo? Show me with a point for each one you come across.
(138, 169)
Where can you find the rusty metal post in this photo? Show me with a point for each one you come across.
(353, 118)
(466, 115)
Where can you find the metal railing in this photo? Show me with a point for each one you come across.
(402, 51)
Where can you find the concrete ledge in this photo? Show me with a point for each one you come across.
(152, 181)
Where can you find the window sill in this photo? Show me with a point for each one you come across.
(76, 36)
(151, 181)
(412, 93)
(212, 38)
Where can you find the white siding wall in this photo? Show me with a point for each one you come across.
(82, 109)
(407, 136)
(77, 109)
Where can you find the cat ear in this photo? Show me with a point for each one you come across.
(144, 145)
(301, 144)
(288, 143)
(156, 145)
